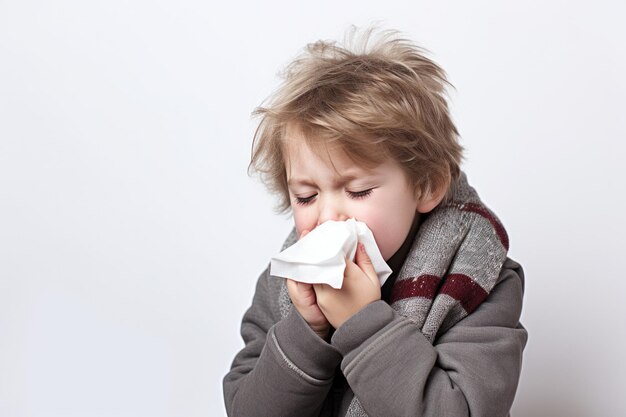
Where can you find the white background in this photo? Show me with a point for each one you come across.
(131, 236)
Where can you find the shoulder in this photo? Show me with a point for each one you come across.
(511, 270)
(503, 305)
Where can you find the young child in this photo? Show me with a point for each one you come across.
(363, 131)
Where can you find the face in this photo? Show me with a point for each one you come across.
(380, 197)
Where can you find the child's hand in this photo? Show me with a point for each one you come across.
(360, 288)
(305, 301)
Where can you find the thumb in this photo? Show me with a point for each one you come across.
(364, 262)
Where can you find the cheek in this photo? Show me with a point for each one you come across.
(387, 238)
(390, 227)
(384, 228)
(302, 220)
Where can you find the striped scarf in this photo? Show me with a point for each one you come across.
(452, 266)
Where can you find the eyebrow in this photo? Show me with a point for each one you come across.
(343, 179)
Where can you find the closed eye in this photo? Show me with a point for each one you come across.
(360, 194)
(303, 201)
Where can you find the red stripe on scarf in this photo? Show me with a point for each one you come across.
(423, 286)
(464, 289)
(479, 209)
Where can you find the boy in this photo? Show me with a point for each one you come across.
(364, 132)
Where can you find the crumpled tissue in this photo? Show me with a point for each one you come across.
(319, 257)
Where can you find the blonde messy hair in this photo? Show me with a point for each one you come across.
(377, 97)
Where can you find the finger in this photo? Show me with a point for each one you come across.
(364, 262)
(297, 286)
(292, 290)
(292, 286)
(319, 288)
(304, 233)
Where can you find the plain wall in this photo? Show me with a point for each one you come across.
(131, 236)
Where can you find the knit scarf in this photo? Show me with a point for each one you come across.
(453, 264)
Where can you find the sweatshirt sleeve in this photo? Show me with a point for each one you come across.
(472, 369)
(284, 369)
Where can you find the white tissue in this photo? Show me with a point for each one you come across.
(319, 257)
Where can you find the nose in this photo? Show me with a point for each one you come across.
(331, 208)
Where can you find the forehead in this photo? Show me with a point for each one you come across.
(306, 155)
(331, 165)
(339, 154)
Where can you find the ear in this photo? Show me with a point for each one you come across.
(431, 200)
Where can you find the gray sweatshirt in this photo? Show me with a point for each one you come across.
(286, 370)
